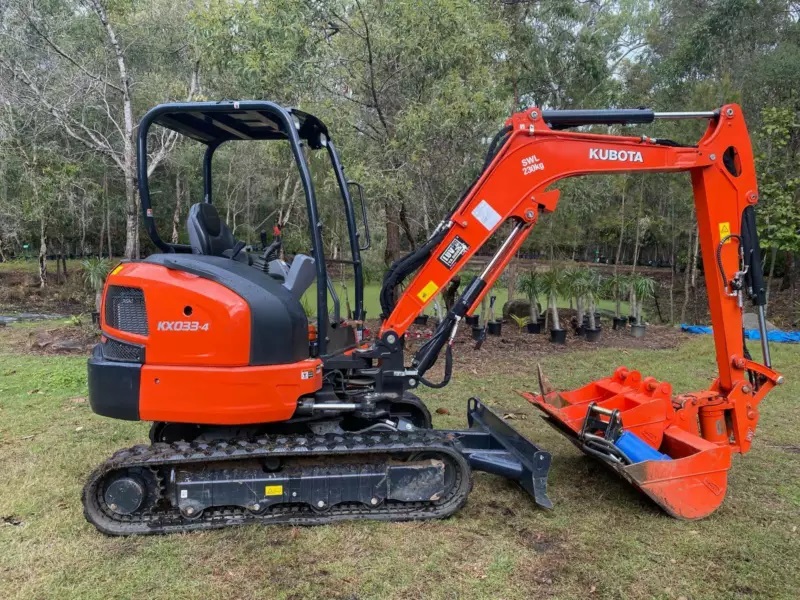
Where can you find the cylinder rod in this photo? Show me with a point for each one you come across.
(499, 254)
(706, 114)
(762, 329)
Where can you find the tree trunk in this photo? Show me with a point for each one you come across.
(392, 251)
(512, 276)
(687, 277)
(108, 231)
(406, 226)
(42, 253)
(176, 214)
(102, 229)
(773, 254)
(554, 312)
(621, 231)
(131, 219)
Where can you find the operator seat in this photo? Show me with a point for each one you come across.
(208, 234)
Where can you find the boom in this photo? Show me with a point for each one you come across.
(529, 156)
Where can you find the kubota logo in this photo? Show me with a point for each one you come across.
(620, 155)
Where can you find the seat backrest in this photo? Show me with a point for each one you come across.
(301, 275)
(208, 234)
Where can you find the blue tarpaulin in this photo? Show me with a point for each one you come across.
(790, 337)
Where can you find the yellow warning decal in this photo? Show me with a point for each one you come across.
(428, 291)
(117, 269)
(273, 490)
(724, 231)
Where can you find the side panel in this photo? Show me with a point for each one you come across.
(228, 396)
(191, 320)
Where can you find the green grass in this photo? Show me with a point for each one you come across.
(32, 265)
(602, 540)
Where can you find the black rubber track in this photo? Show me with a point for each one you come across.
(166, 518)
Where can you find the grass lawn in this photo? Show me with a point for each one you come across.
(602, 540)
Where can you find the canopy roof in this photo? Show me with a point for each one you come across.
(217, 122)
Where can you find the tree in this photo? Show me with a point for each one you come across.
(66, 61)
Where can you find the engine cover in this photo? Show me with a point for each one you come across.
(196, 310)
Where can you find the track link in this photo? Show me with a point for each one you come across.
(161, 516)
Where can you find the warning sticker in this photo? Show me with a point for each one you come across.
(273, 490)
(454, 251)
(307, 374)
(486, 215)
(724, 231)
(428, 291)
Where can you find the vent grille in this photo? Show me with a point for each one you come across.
(125, 309)
(122, 352)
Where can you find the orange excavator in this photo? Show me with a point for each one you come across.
(260, 416)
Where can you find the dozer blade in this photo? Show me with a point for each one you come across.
(492, 445)
(631, 426)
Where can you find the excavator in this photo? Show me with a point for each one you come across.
(261, 414)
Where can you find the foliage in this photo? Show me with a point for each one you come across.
(410, 97)
(554, 284)
(521, 322)
(95, 271)
(642, 288)
(530, 284)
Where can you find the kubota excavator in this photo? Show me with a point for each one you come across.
(259, 416)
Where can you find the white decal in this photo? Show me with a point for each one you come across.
(181, 326)
(618, 155)
(531, 164)
(486, 215)
(184, 494)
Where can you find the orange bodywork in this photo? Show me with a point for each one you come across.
(698, 432)
(226, 396)
(202, 375)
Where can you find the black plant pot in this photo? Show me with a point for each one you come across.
(495, 327)
(535, 327)
(473, 320)
(477, 332)
(620, 322)
(631, 319)
(95, 318)
(542, 320)
(581, 331)
(558, 336)
(592, 335)
(421, 320)
(637, 331)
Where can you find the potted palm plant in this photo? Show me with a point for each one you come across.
(642, 287)
(616, 286)
(95, 271)
(553, 287)
(575, 285)
(593, 288)
(530, 284)
(479, 328)
(495, 326)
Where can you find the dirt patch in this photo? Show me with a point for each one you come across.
(68, 339)
(21, 292)
(514, 350)
(48, 339)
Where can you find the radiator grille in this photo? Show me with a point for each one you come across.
(122, 352)
(125, 309)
